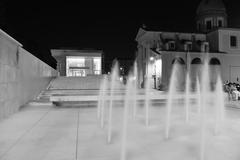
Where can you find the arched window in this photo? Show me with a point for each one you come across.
(214, 61)
(178, 60)
(196, 61)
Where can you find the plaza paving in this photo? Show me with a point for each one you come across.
(62, 133)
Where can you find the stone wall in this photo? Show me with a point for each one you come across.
(22, 75)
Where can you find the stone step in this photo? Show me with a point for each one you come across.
(40, 103)
(65, 92)
(89, 82)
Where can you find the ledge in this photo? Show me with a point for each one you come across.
(10, 38)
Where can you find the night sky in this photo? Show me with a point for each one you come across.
(112, 27)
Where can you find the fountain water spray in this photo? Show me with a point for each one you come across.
(135, 89)
(114, 78)
(205, 90)
(202, 99)
(147, 100)
(198, 93)
(102, 93)
(187, 98)
(170, 98)
(127, 99)
(102, 103)
(219, 105)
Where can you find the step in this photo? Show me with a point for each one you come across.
(40, 103)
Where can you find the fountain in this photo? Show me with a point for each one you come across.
(187, 99)
(147, 99)
(127, 99)
(191, 119)
(101, 101)
(135, 75)
(113, 85)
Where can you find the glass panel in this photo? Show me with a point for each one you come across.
(220, 23)
(72, 66)
(159, 67)
(97, 65)
(233, 41)
(209, 25)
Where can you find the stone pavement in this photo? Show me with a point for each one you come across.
(233, 104)
(57, 133)
(39, 133)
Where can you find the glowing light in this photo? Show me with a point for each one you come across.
(121, 79)
(159, 67)
(151, 58)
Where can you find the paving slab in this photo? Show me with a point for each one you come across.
(53, 137)
(18, 125)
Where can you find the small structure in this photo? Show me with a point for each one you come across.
(78, 63)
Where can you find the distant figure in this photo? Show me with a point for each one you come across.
(227, 89)
(234, 92)
(124, 80)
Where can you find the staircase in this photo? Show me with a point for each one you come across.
(67, 86)
(43, 99)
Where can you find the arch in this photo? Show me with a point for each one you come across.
(196, 61)
(178, 60)
(214, 61)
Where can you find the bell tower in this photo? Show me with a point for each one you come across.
(211, 14)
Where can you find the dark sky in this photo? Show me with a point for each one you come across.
(111, 27)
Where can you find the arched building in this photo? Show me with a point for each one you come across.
(158, 50)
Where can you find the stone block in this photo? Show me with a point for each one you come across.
(1, 74)
(2, 112)
(3, 91)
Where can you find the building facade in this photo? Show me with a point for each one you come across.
(159, 50)
(78, 63)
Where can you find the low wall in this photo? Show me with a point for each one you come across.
(89, 82)
(22, 75)
(82, 83)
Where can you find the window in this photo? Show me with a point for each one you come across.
(220, 23)
(209, 25)
(75, 66)
(199, 26)
(171, 45)
(189, 46)
(178, 60)
(196, 61)
(97, 65)
(233, 41)
(214, 61)
(206, 47)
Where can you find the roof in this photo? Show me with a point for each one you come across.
(210, 5)
(142, 32)
(70, 49)
(176, 29)
(75, 52)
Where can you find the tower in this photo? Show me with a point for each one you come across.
(211, 14)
